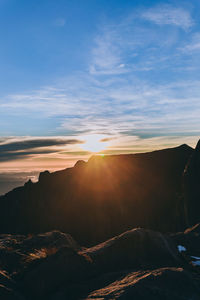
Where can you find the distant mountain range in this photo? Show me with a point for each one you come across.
(108, 195)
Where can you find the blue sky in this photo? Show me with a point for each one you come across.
(124, 71)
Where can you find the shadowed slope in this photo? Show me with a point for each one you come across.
(103, 197)
(164, 283)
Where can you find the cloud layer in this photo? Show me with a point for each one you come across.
(19, 148)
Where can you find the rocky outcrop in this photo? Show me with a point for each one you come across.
(164, 283)
(65, 267)
(52, 239)
(9, 294)
(135, 248)
(43, 177)
(191, 187)
(17, 251)
(138, 264)
(190, 240)
(8, 288)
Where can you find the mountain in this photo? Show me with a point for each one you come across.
(106, 196)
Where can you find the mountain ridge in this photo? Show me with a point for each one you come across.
(110, 193)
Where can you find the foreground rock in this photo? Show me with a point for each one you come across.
(65, 267)
(190, 239)
(188, 242)
(18, 251)
(135, 248)
(137, 264)
(8, 288)
(9, 294)
(53, 239)
(165, 283)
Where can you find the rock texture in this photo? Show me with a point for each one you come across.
(66, 266)
(138, 264)
(190, 240)
(135, 248)
(164, 283)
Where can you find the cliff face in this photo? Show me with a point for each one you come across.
(191, 185)
(103, 197)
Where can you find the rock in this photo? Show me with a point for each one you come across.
(10, 260)
(137, 264)
(164, 283)
(190, 239)
(194, 229)
(44, 176)
(28, 183)
(135, 248)
(52, 239)
(5, 279)
(80, 163)
(191, 187)
(10, 241)
(9, 294)
(8, 288)
(47, 275)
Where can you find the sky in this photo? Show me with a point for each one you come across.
(82, 76)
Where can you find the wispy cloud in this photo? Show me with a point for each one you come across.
(169, 15)
(115, 107)
(131, 46)
(106, 54)
(193, 45)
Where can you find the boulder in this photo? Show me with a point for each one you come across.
(135, 248)
(47, 275)
(52, 239)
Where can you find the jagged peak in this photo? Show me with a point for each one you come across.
(198, 146)
(44, 175)
(185, 146)
(79, 163)
(29, 182)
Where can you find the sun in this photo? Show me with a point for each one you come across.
(94, 143)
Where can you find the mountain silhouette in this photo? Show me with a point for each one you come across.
(98, 199)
